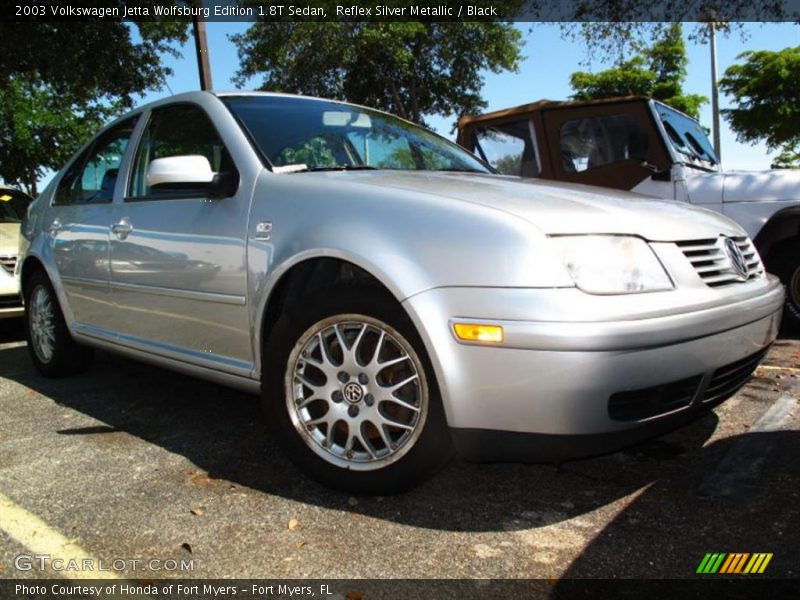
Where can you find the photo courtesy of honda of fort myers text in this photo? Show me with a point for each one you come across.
(399, 299)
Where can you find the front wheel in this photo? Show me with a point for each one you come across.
(351, 394)
(53, 351)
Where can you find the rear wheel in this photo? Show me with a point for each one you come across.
(351, 394)
(50, 345)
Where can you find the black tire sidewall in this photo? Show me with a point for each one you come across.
(68, 357)
(432, 448)
(786, 264)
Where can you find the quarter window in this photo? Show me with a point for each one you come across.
(93, 175)
(509, 148)
(596, 141)
(178, 130)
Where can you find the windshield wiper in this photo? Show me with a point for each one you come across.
(337, 168)
(459, 170)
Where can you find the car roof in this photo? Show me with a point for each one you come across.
(196, 95)
(544, 104)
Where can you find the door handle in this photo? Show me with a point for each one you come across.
(55, 227)
(122, 229)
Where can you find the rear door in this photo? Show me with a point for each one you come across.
(78, 222)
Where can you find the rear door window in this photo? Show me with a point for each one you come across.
(92, 177)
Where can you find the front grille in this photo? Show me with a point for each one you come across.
(650, 402)
(635, 405)
(712, 264)
(10, 301)
(8, 263)
(727, 380)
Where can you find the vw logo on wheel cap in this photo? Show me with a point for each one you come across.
(736, 257)
(353, 393)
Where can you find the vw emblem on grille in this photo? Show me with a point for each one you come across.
(353, 393)
(736, 257)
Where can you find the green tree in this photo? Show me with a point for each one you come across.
(412, 69)
(659, 71)
(60, 81)
(766, 90)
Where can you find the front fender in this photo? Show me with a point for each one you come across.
(410, 242)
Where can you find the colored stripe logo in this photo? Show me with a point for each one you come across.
(734, 563)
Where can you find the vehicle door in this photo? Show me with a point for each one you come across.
(78, 224)
(606, 145)
(178, 263)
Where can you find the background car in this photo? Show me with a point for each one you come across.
(13, 206)
(643, 145)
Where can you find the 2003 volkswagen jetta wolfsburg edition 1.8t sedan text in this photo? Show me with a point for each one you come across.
(389, 296)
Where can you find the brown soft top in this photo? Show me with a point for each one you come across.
(542, 105)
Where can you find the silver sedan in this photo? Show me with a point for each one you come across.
(389, 296)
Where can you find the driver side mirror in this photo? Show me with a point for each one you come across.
(189, 173)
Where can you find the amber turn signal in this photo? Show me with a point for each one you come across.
(475, 332)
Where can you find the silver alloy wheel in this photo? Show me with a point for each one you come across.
(42, 323)
(356, 392)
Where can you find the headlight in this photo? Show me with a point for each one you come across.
(612, 264)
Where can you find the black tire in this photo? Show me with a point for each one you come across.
(785, 263)
(417, 459)
(67, 357)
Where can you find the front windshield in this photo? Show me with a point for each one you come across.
(301, 134)
(687, 137)
(13, 205)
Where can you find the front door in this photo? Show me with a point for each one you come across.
(605, 145)
(178, 262)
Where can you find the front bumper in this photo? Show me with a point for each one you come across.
(553, 390)
(10, 299)
(11, 311)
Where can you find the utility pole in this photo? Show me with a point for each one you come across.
(201, 46)
(712, 34)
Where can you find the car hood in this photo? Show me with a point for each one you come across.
(9, 238)
(557, 208)
(782, 185)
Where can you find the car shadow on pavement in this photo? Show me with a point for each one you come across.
(742, 495)
(222, 433)
(12, 330)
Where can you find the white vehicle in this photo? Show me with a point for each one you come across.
(642, 145)
(13, 205)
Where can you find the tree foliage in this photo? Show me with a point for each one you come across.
(413, 69)
(616, 40)
(659, 72)
(766, 90)
(60, 81)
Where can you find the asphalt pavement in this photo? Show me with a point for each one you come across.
(179, 478)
